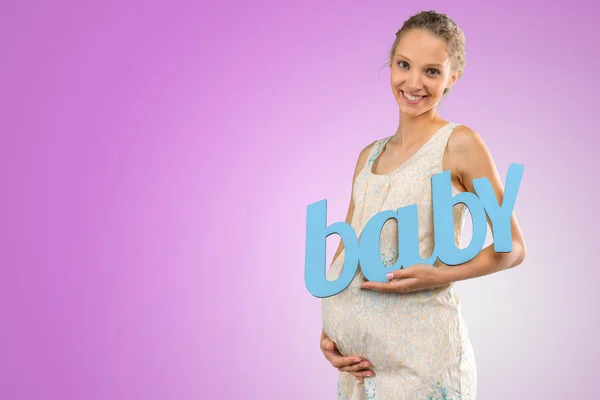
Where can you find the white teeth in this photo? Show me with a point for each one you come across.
(412, 98)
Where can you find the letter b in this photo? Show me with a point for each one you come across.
(443, 220)
(315, 269)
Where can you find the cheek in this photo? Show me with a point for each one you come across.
(397, 75)
(437, 88)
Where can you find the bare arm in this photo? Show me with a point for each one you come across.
(469, 159)
(362, 159)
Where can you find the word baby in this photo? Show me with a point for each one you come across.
(367, 252)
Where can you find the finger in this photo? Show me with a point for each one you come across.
(330, 347)
(401, 286)
(331, 352)
(401, 273)
(336, 359)
(355, 367)
(339, 361)
(363, 374)
(345, 362)
(327, 345)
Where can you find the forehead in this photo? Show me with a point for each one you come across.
(419, 45)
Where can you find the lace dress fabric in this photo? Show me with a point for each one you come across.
(417, 343)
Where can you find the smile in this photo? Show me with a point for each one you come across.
(412, 99)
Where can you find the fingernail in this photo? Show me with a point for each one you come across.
(357, 360)
(390, 275)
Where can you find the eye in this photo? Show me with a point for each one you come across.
(402, 64)
(433, 72)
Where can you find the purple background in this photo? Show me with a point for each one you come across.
(158, 158)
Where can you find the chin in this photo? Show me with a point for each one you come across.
(412, 109)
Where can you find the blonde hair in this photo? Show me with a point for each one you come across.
(440, 25)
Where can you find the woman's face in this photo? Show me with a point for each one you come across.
(421, 70)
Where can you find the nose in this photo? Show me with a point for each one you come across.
(414, 81)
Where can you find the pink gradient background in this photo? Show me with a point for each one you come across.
(158, 158)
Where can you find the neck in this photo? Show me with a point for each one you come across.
(412, 129)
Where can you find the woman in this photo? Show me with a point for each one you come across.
(406, 338)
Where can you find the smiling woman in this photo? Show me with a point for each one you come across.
(421, 63)
(406, 339)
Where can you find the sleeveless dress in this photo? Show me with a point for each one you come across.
(417, 343)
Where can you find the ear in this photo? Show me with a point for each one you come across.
(453, 78)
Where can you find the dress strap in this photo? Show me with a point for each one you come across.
(375, 151)
(442, 142)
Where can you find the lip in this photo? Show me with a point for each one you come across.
(410, 101)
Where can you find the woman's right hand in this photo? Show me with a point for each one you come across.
(354, 365)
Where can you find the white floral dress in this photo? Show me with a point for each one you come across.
(417, 343)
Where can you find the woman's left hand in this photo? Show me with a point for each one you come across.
(416, 277)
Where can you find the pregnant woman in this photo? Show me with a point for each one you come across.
(406, 338)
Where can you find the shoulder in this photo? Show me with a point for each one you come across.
(466, 152)
(464, 141)
(364, 155)
(469, 157)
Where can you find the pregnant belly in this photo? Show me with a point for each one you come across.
(388, 328)
(345, 319)
(355, 318)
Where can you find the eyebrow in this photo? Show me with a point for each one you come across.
(398, 55)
